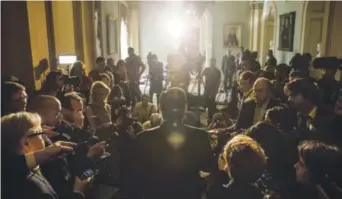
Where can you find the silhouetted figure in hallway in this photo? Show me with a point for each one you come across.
(135, 68)
(156, 76)
(271, 60)
(212, 83)
(228, 69)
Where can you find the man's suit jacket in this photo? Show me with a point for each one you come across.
(169, 160)
(246, 114)
(37, 187)
(322, 126)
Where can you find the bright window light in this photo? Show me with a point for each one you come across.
(175, 28)
(67, 59)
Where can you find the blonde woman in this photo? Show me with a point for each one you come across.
(98, 111)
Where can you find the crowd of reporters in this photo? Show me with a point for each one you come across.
(279, 136)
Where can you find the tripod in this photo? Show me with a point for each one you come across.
(198, 82)
(147, 80)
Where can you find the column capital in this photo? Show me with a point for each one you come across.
(133, 4)
(256, 4)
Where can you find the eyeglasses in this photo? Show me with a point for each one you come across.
(36, 134)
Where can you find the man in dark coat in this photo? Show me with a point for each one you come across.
(314, 119)
(170, 157)
(253, 110)
(156, 76)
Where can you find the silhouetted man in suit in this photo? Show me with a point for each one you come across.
(212, 83)
(314, 119)
(228, 69)
(156, 76)
(135, 68)
(170, 157)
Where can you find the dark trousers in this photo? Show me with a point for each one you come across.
(135, 92)
(227, 80)
(156, 87)
(211, 103)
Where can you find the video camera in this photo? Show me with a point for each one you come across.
(71, 80)
(327, 63)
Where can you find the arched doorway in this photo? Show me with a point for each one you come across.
(315, 24)
(315, 31)
(268, 31)
(123, 39)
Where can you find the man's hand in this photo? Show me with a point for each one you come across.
(97, 150)
(68, 88)
(60, 149)
(130, 132)
(54, 151)
(338, 108)
(49, 132)
(81, 185)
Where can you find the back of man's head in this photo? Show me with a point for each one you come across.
(270, 139)
(42, 104)
(248, 75)
(100, 60)
(66, 100)
(173, 103)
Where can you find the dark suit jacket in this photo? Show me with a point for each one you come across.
(246, 114)
(323, 124)
(169, 160)
(37, 187)
(32, 186)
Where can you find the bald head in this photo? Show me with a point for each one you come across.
(173, 103)
(48, 107)
(262, 90)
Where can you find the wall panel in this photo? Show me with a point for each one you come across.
(38, 35)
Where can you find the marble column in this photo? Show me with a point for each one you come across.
(133, 26)
(256, 20)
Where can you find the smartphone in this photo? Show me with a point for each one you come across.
(87, 174)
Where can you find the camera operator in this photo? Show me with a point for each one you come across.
(78, 70)
(212, 83)
(228, 69)
(156, 76)
(54, 84)
(170, 157)
(328, 86)
(61, 173)
(135, 68)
